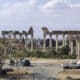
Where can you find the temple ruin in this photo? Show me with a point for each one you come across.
(12, 36)
(69, 36)
(66, 36)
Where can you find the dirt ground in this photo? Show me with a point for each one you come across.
(44, 69)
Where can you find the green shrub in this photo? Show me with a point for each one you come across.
(62, 53)
(73, 56)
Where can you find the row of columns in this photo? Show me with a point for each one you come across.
(26, 45)
(77, 47)
(50, 42)
(63, 44)
(21, 39)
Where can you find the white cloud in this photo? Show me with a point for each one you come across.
(52, 5)
(75, 5)
(17, 8)
(17, 12)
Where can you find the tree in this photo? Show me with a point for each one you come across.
(2, 55)
(64, 51)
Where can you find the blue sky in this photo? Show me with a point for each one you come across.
(54, 14)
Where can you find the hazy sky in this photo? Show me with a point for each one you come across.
(54, 14)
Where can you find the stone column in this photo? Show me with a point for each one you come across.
(70, 44)
(9, 36)
(66, 41)
(31, 42)
(14, 35)
(56, 42)
(50, 41)
(63, 40)
(44, 43)
(26, 41)
(71, 47)
(20, 37)
(78, 47)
